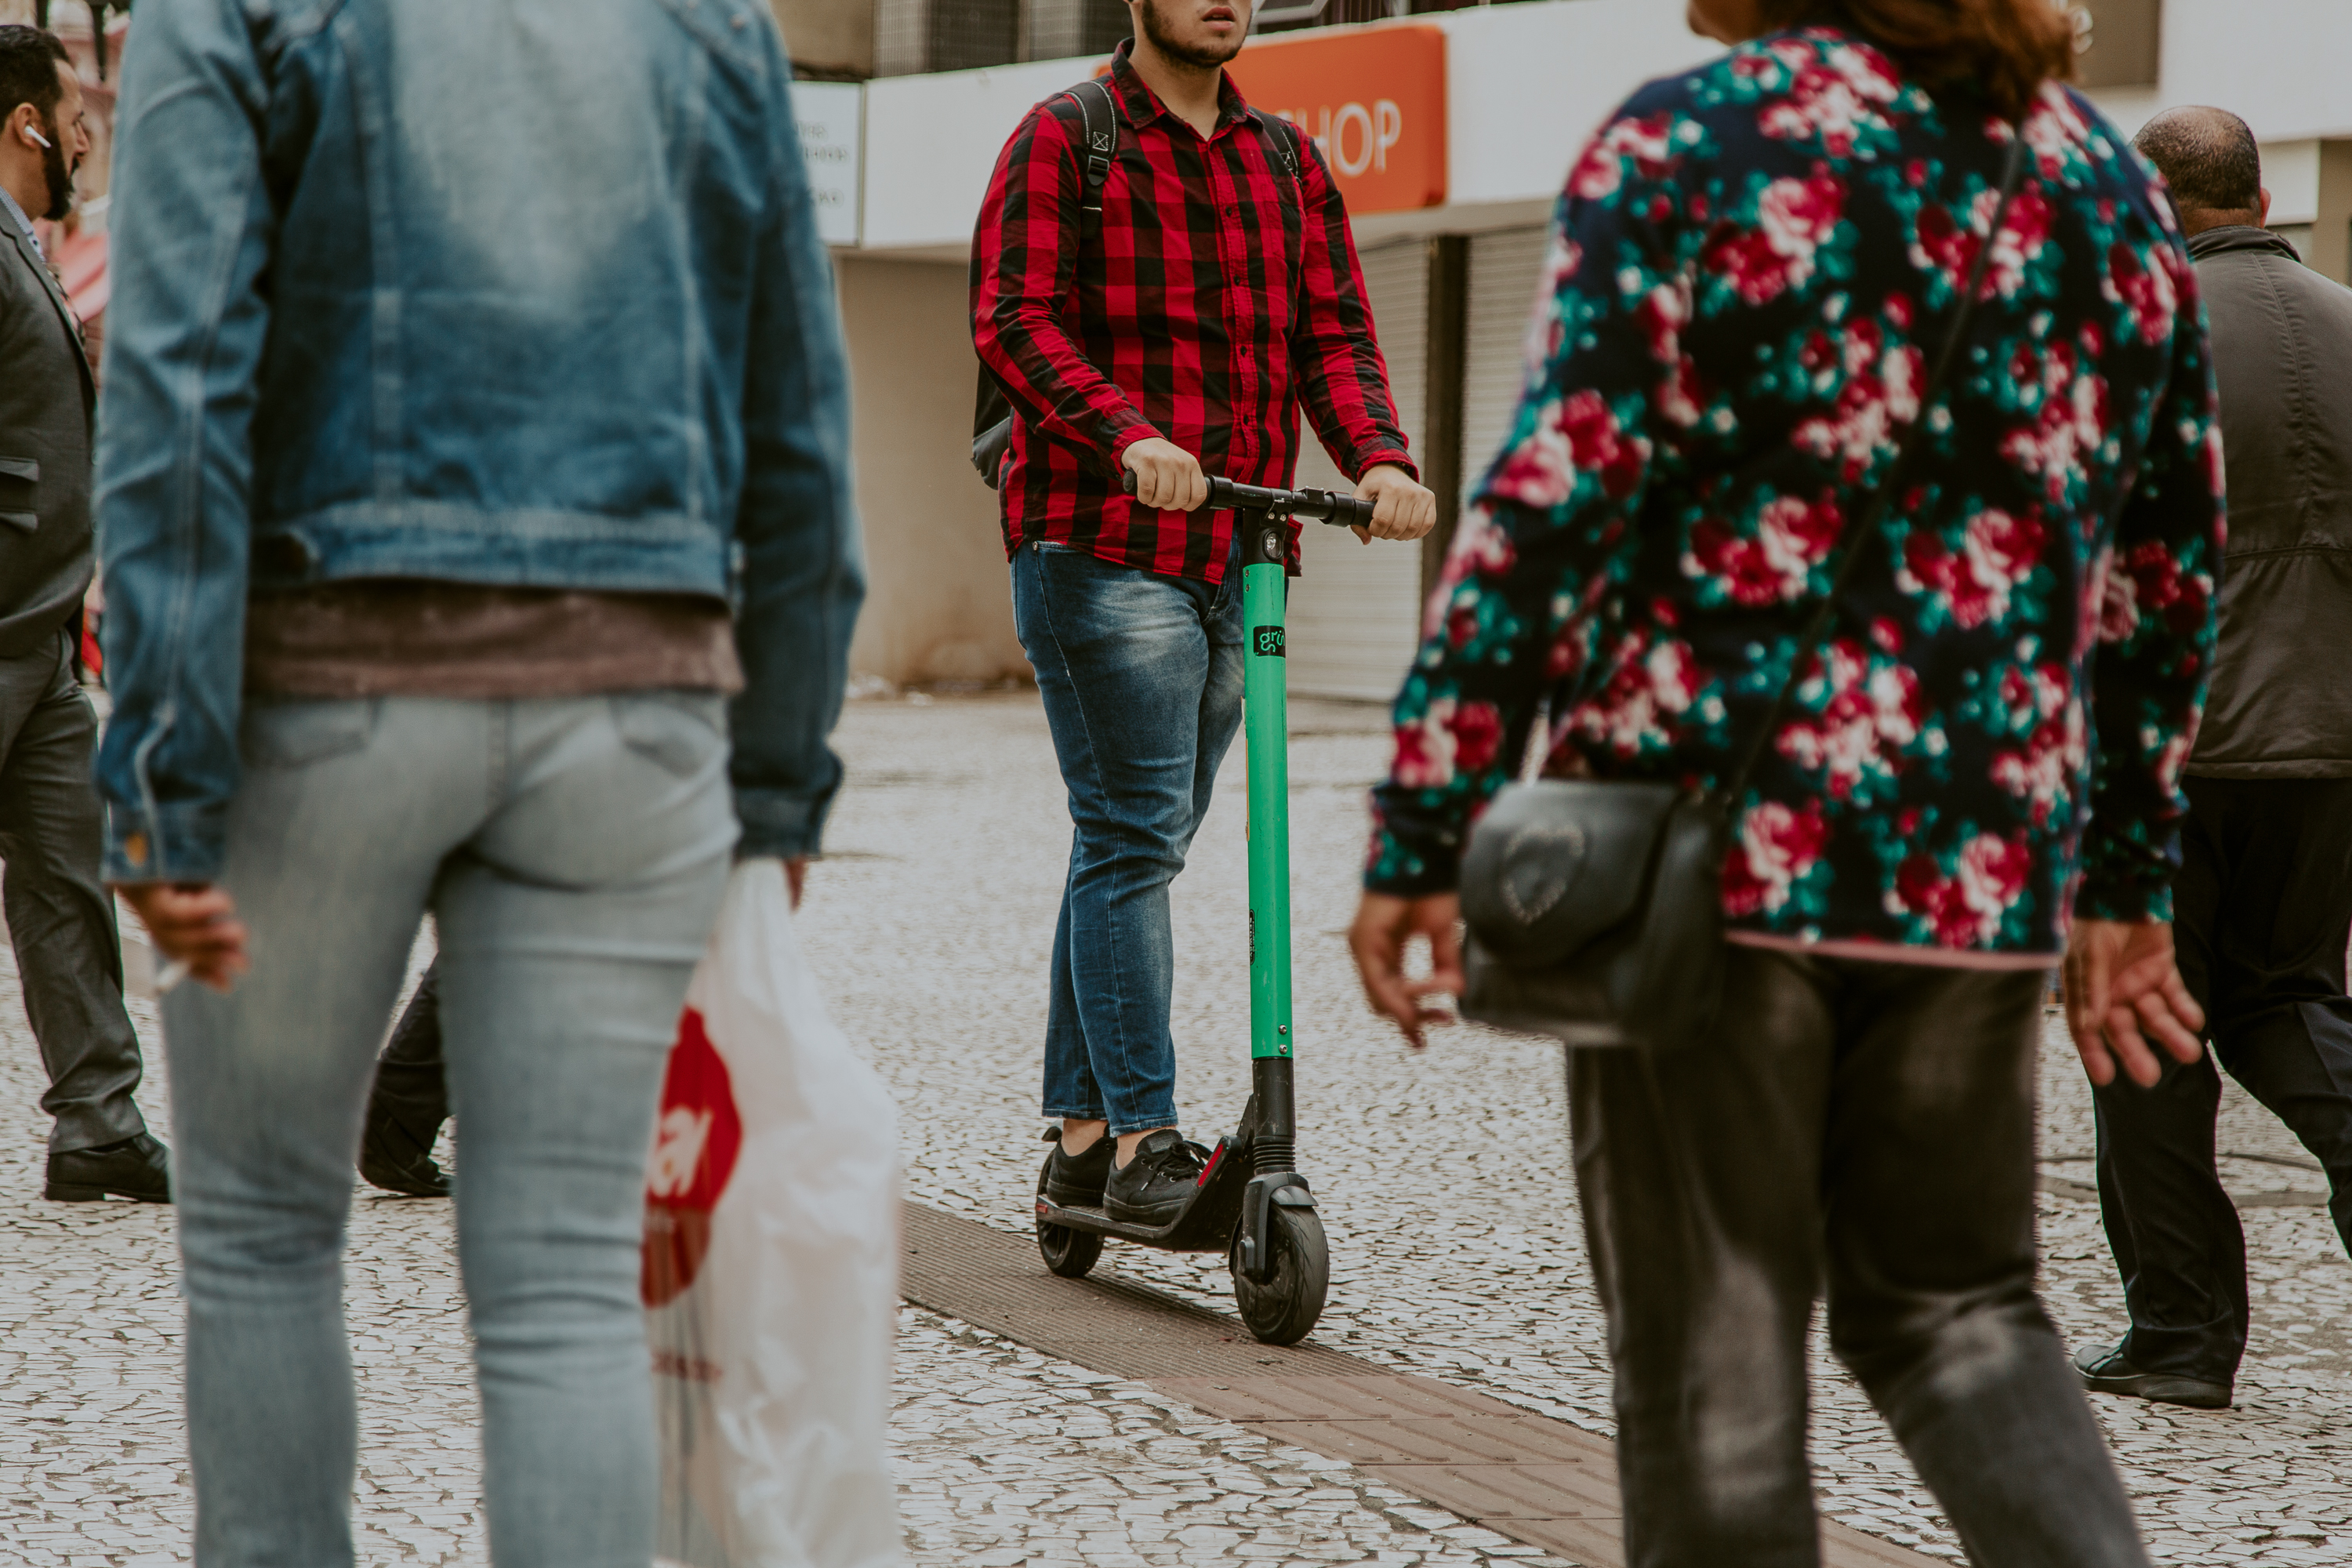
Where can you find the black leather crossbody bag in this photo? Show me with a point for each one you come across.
(1595, 910)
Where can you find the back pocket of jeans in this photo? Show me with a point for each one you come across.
(680, 730)
(297, 734)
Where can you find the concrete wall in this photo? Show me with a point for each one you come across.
(940, 606)
(836, 37)
(2278, 63)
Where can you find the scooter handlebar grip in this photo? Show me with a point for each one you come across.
(1337, 509)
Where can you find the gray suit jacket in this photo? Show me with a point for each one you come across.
(47, 399)
(2281, 706)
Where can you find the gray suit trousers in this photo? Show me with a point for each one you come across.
(60, 919)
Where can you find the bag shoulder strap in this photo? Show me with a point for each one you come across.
(1865, 526)
(1282, 143)
(1101, 140)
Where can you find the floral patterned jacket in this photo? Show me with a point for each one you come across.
(1750, 271)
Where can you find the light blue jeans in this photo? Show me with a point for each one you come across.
(572, 852)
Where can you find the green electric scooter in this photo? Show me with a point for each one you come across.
(1250, 1202)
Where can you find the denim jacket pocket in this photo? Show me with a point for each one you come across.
(681, 730)
(298, 733)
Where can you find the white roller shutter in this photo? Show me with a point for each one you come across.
(1355, 616)
(1505, 267)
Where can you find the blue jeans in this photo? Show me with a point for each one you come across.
(572, 852)
(1142, 677)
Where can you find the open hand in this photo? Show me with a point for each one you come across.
(1383, 925)
(192, 923)
(1403, 508)
(2123, 985)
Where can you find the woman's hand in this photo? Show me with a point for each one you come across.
(2121, 979)
(192, 923)
(1383, 925)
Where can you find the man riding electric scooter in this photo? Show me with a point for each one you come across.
(1161, 276)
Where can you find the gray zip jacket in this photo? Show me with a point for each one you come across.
(2281, 706)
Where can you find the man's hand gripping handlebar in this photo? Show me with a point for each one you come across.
(1389, 503)
(1307, 506)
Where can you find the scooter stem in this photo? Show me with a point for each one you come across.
(1266, 723)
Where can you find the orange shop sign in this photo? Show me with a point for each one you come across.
(1372, 98)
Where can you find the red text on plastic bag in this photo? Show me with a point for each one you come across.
(695, 1144)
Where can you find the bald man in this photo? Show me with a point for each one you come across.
(2264, 894)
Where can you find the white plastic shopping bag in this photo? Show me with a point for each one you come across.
(771, 1263)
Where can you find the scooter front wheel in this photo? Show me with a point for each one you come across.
(1281, 1310)
(1068, 1253)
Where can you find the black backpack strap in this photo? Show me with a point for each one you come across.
(1281, 143)
(1101, 140)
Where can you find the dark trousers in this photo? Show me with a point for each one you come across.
(1868, 1127)
(60, 917)
(412, 1086)
(2263, 907)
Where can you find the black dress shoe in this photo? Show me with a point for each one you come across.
(1076, 1180)
(392, 1158)
(136, 1167)
(2105, 1371)
(1153, 1187)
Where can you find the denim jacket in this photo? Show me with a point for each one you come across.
(523, 293)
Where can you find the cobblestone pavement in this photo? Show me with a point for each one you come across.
(1008, 1457)
(1445, 1189)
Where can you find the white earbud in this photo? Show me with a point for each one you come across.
(34, 134)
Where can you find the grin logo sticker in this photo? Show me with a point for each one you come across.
(1266, 642)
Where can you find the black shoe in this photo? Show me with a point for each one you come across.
(2105, 1371)
(136, 1167)
(1076, 1180)
(392, 1158)
(1153, 1187)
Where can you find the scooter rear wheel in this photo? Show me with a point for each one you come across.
(1282, 1309)
(1068, 1253)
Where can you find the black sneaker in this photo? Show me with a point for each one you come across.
(136, 1167)
(2105, 1371)
(1076, 1181)
(1153, 1187)
(394, 1158)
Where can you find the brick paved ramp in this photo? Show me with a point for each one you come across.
(1525, 1476)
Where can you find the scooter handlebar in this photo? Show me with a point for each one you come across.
(1320, 506)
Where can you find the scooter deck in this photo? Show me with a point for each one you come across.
(1204, 1224)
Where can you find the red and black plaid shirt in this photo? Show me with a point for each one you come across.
(1213, 303)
